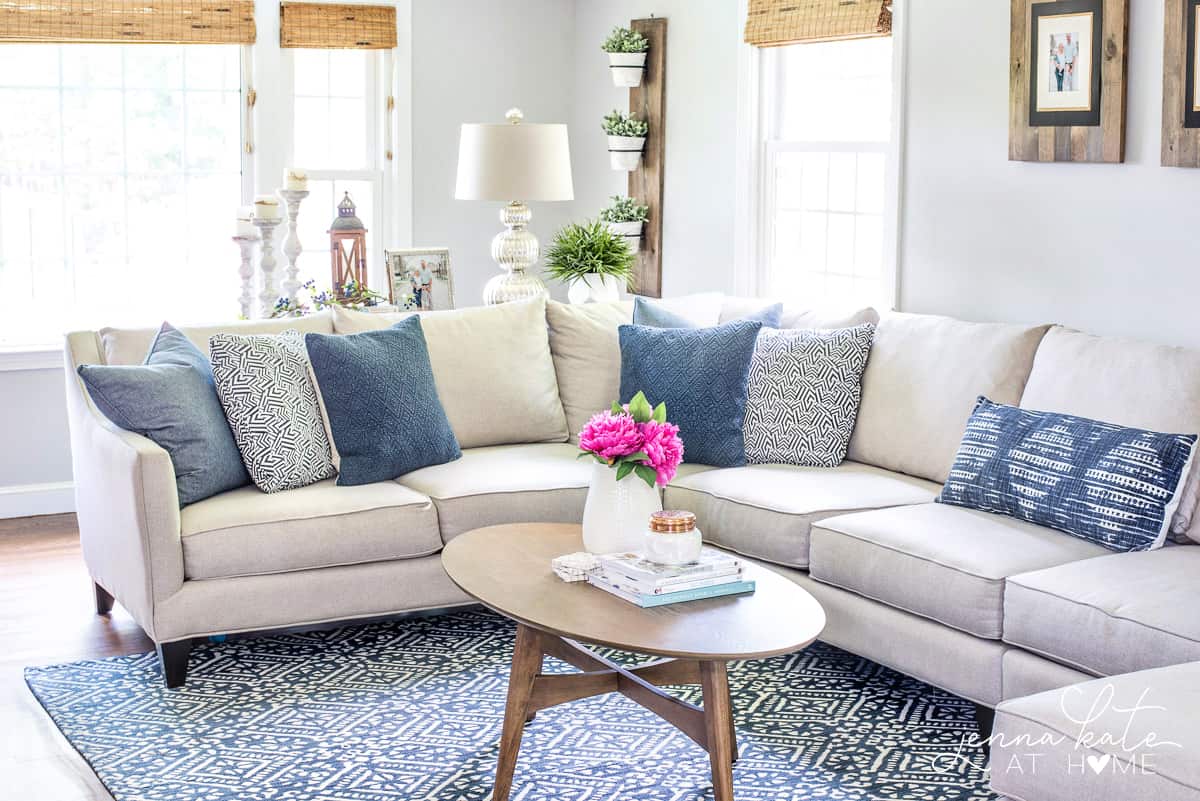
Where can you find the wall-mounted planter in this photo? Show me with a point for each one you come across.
(594, 288)
(625, 152)
(632, 231)
(626, 68)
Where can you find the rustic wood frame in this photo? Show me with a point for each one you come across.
(1101, 143)
(1180, 143)
(649, 102)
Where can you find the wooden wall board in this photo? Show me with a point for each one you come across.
(1180, 145)
(649, 102)
(1102, 143)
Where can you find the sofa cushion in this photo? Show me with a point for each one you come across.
(540, 483)
(796, 315)
(494, 373)
(1128, 738)
(1111, 615)
(1122, 381)
(943, 562)
(247, 532)
(355, 321)
(700, 309)
(653, 313)
(765, 511)
(129, 345)
(921, 383)
(587, 356)
(1105, 483)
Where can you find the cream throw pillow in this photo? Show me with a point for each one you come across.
(587, 356)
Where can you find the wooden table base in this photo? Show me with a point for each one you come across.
(530, 690)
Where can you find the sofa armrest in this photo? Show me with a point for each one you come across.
(125, 499)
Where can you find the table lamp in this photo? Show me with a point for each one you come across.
(510, 160)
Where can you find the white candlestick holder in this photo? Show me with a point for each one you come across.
(266, 263)
(291, 245)
(246, 272)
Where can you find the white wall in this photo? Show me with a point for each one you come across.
(471, 62)
(1111, 249)
(703, 37)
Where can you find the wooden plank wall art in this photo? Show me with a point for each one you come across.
(649, 102)
(1067, 80)
(1181, 89)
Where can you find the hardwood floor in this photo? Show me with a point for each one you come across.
(47, 615)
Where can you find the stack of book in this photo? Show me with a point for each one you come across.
(645, 583)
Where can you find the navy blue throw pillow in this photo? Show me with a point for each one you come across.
(384, 411)
(700, 373)
(172, 401)
(1104, 483)
(646, 312)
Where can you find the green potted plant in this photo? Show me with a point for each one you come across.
(626, 217)
(626, 56)
(626, 139)
(591, 260)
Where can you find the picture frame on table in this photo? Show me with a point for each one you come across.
(420, 279)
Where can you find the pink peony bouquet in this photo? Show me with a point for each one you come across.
(634, 438)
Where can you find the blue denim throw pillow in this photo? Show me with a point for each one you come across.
(647, 312)
(383, 406)
(172, 401)
(1104, 483)
(700, 373)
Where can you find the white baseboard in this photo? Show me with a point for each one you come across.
(27, 500)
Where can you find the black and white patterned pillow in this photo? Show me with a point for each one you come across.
(271, 406)
(802, 394)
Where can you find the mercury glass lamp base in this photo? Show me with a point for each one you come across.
(513, 286)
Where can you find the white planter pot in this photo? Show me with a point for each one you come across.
(626, 68)
(594, 288)
(625, 152)
(632, 231)
(617, 513)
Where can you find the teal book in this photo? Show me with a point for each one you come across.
(646, 600)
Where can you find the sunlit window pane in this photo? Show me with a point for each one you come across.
(837, 91)
(331, 107)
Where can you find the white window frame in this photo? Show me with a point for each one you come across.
(759, 99)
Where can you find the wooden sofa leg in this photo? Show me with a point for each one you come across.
(985, 717)
(104, 601)
(173, 657)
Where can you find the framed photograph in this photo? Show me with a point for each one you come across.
(1065, 58)
(419, 279)
(1191, 93)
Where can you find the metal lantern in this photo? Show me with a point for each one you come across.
(348, 247)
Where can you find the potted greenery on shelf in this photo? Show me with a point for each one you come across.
(626, 139)
(626, 56)
(591, 260)
(626, 217)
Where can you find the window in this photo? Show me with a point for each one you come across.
(336, 120)
(823, 206)
(119, 169)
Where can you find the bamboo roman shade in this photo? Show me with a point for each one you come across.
(121, 21)
(330, 25)
(770, 23)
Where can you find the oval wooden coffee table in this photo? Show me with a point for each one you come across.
(507, 569)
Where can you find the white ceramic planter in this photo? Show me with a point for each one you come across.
(617, 513)
(626, 68)
(632, 231)
(594, 288)
(625, 152)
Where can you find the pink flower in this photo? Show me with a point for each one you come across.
(610, 436)
(664, 447)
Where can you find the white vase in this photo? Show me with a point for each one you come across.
(626, 68)
(594, 288)
(617, 513)
(625, 152)
(632, 231)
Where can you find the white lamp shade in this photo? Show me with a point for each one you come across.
(514, 162)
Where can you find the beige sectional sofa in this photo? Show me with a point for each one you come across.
(985, 606)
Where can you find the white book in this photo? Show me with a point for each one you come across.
(678, 585)
(637, 568)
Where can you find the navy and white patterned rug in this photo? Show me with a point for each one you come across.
(412, 710)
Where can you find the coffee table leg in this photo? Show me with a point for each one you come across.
(526, 664)
(718, 724)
